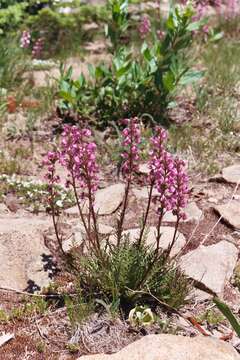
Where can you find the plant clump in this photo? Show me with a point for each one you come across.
(123, 272)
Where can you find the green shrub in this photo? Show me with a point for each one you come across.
(14, 12)
(135, 83)
(11, 17)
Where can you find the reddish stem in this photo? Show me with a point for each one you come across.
(146, 215)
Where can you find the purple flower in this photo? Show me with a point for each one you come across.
(168, 176)
(160, 34)
(78, 155)
(131, 139)
(50, 161)
(38, 48)
(144, 26)
(25, 39)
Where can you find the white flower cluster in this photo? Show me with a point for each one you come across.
(38, 64)
(34, 189)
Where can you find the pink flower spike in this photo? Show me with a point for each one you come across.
(131, 138)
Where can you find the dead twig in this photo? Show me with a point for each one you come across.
(5, 288)
(44, 337)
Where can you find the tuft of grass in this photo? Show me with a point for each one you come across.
(37, 306)
(12, 63)
(125, 277)
(78, 309)
(9, 165)
(236, 278)
(72, 348)
(211, 316)
(40, 347)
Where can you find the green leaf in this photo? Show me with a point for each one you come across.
(69, 72)
(190, 77)
(123, 70)
(226, 311)
(147, 54)
(217, 36)
(196, 25)
(99, 72)
(81, 80)
(65, 86)
(170, 23)
(168, 81)
(91, 70)
(66, 96)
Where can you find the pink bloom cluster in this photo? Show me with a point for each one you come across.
(25, 39)
(131, 140)
(226, 8)
(232, 8)
(50, 161)
(38, 48)
(160, 34)
(78, 155)
(168, 176)
(144, 26)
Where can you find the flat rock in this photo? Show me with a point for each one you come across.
(192, 211)
(78, 234)
(231, 174)
(212, 265)
(143, 193)
(144, 169)
(74, 241)
(107, 200)
(166, 238)
(230, 213)
(24, 259)
(172, 347)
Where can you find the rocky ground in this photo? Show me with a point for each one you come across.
(207, 246)
(207, 250)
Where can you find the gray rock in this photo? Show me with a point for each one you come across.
(211, 265)
(230, 213)
(74, 241)
(192, 211)
(172, 347)
(144, 169)
(78, 234)
(166, 238)
(231, 174)
(143, 193)
(107, 200)
(23, 255)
